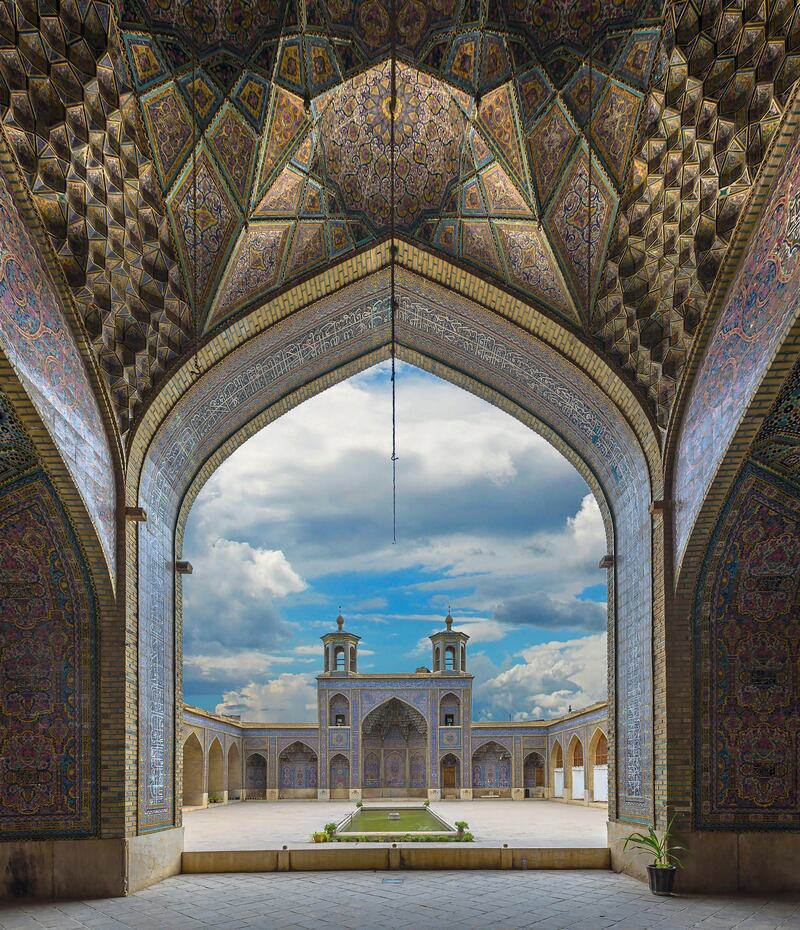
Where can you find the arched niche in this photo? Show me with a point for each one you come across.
(574, 772)
(450, 710)
(339, 659)
(557, 770)
(234, 772)
(255, 777)
(572, 400)
(450, 776)
(339, 777)
(597, 767)
(216, 772)
(353, 659)
(394, 744)
(437, 659)
(533, 774)
(339, 711)
(194, 793)
(491, 770)
(297, 771)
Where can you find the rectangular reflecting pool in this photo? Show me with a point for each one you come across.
(381, 823)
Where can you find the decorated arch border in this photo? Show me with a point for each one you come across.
(321, 346)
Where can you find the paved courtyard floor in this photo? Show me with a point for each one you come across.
(407, 900)
(267, 824)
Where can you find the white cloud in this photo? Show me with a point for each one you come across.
(289, 698)
(230, 597)
(552, 677)
(233, 666)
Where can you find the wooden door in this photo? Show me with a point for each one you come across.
(449, 776)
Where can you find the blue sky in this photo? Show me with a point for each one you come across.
(491, 520)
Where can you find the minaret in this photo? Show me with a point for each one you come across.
(341, 650)
(449, 650)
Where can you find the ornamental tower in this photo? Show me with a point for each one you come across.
(341, 650)
(449, 650)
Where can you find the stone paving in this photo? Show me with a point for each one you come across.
(271, 824)
(407, 900)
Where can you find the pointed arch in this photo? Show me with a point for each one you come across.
(339, 710)
(450, 710)
(194, 793)
(554, 384)
(597, 766)
(339, 777)
(574, 771)
(557, 769)
(234, 772)
(450, 775)
(297, 771)
(216, 771)
(533, 774)
(491, 770)
(255, 776)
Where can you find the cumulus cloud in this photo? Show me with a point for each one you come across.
(552, 677)
(289, 698)
(230, 598)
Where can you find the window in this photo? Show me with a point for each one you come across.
(449, 659)
(449, 720)
(339, 659)
(339, 720)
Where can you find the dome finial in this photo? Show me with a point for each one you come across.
(340, 619)
(449, 619)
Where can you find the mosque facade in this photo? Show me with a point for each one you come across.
(396, 735)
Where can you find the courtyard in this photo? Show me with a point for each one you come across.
(408, 900)
(267, 824)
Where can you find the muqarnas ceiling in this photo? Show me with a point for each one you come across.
(244, 116)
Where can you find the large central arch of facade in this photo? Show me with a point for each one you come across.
(601, 429)
(653, 339)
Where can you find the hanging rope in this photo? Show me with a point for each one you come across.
(392, 257)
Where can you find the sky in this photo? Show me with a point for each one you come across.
(491, 521)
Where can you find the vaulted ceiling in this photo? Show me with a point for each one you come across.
(189, 158)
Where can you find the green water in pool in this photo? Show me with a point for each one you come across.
(412, 820)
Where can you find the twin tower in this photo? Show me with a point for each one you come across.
(449, 650)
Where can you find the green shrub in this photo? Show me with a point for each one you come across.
(462, 825)
(359, 803)
(330, 828)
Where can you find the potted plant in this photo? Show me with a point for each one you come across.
(330, 829)
(661, 872)
(319, 836)
(426, 803)
(461, 826)
(359, 804)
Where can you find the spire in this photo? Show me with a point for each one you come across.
(449, 619)
(340, 620)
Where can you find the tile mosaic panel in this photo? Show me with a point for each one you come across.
(48, 703)
(37, 340)
(761, 304)
(746, 637)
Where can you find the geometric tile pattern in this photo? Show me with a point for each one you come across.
(760, 305)
(48, 735)
(37, 340)
(73, 127)
(746, 646)
(677, 137)
(721, 80)
(777, 444)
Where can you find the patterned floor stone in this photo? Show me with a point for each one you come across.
(407, 900)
